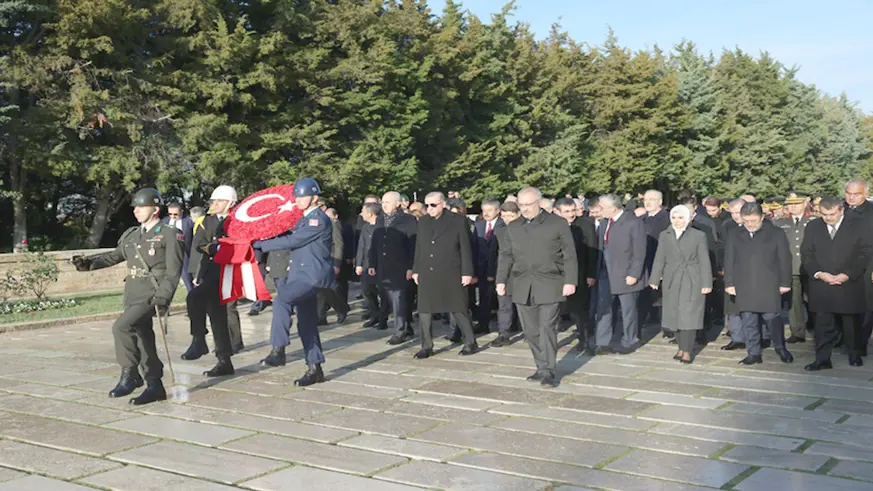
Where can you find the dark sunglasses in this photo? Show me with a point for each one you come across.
(433, 205)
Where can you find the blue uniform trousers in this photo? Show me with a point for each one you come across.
(296, 296)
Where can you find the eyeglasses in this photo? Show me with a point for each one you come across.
(433, 205)
(527, 205)
(173, 214)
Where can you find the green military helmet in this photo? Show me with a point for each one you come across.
(146, 197)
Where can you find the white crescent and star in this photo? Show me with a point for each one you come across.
(242, 213)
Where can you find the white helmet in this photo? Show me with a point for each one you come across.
(224, 192)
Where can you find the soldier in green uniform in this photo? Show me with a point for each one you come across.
(154, 261)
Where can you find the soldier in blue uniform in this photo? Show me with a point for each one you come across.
(310, 242)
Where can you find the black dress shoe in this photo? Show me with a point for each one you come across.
(549, 381)
(733, 346)
(669, 334)
(197, 349)
(153, 393)
(563, 327)
(784, 355)
(312, 376)
(322, 322)
(382, 325)
(400, 338)
(340, 318)
(276, 358)
(795, 339)
(818, 365)
(604, 350)
(482, 329)
(672, 341)
(856, 361)
(751, 360)
(372, 323)
(766, 344)
(455, 336)
(624, 351)
(238, 348)
(222, 368)
(537, 376)
(424, 353)
(127, 383)
(469, 349)
(686, 362)
(501, 341)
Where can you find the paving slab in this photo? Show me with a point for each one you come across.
(692, 470)
(773, 399)
(769, 479)
(444, 413)
(361, 390)
(554, 471)
(331, 457)
(50, 408)
(53, 376)
(523, 444)
(260, 424)
(176, 429)
(342, 400)
(67, 436)
(454, 478)
(728, 436)
(492, 392)
(451, 401)
(48, 391)
(837, 451)
(274, 407)
(660, 443)
(403, 447)
(135, 478)
(842, 406)
(371, 422)
(775, 458)
(9, 474)
(196, 461)
(676, 400)
(855, 470)
(746, 407)
(40, 483)
(50, 462)
(638, 384)
(381, 380)
(573, 416)
(300, 477)
(604, 405)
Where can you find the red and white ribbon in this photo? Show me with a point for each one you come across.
(239, 275)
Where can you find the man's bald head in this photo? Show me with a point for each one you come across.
(529, 201)
(390, 201)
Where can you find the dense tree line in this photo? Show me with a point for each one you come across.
(98, 97)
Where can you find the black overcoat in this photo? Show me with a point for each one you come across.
(392, 249)
(757, 267)
(848, 252)
(442, 255)
(585, 242)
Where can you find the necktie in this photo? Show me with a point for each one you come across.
(833, 230)
(606, 235)
(488, 231)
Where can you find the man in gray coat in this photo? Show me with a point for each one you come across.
(620, 273)
(538, 261)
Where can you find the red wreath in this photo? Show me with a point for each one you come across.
(265, 214)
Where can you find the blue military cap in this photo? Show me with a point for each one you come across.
(306, 187)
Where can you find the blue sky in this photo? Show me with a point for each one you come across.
(830, 41)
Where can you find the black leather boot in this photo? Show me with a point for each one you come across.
(222, 368)
(129, 382)
(197, 349)
(154, 392)
(312, 376)
(276, 358)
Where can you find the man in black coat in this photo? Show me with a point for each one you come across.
(538, 258)
(391, 257)
(443, 268)
(620, 273)
(835, 253)
(585, 243)
(656, 220)
(377, 311)
(858, 207)
(486, 259)
(338, 296)
(757, 272)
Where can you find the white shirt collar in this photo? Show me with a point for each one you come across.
(617, 216)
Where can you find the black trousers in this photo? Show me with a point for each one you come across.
(425, 322)
(336, 298)
(827, 324)
(397, 299)
(376, 308)
(752, 330)
(204, 301)
(686, 340)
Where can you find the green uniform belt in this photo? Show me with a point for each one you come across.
(136, 273)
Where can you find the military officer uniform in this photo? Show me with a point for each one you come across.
(309, 269)
(795, 228)
(154, 263)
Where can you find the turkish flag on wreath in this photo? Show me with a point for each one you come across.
(262, 215)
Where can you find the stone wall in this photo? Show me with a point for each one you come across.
(71, 282)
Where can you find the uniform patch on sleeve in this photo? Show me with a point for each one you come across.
(313, 222)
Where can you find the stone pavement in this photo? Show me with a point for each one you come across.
(385, 421)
